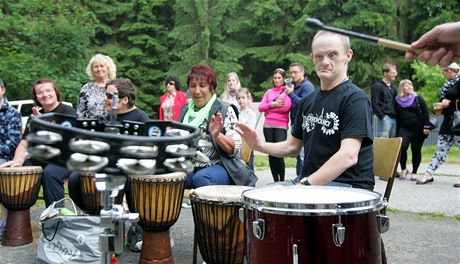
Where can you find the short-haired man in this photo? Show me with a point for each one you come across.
(334, 123)
(10, 136)
(10, 127)
(301, 87)
(383, 94)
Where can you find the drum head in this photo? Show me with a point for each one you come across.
(220, 193)
(23, 169)
(312, 200)
(169, 177)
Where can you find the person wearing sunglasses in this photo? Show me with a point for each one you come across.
(126, 110)
(172, 100)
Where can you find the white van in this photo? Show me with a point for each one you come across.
(25, 108)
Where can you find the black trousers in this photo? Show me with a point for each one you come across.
(277, 166)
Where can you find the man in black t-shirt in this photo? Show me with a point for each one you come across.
(334, 123)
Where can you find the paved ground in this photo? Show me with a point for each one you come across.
(423, 228)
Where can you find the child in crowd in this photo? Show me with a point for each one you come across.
(247, 116)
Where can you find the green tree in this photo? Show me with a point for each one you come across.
(204, 33)
(43, 39)
(134, 34)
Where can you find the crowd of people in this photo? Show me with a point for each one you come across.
(332, 126)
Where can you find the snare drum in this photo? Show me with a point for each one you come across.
(19, 189)
(312, 224)
(218, 229)
(158, 200)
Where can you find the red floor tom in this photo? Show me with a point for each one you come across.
(312, 224)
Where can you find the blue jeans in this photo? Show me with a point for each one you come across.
(53, 182)
(386, 127)
(299, 164)
(212, 175)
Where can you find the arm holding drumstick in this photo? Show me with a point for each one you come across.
(441, 45)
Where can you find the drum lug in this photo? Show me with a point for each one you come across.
(258, 228)
(338, 230)
(338, 234)
(383, 223)
(295, 254)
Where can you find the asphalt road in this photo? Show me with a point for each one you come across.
(423, 227)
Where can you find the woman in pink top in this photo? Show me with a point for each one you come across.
(276, 105)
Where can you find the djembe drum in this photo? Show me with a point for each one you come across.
(90, 196)
(218, 229)
(158, 200)
(19, 189)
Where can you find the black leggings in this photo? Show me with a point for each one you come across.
(277, 166)
(416, 144)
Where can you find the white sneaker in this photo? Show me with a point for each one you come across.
(186, 205)
(138, 245)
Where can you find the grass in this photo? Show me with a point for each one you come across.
(261, 161)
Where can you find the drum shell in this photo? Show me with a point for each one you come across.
(313, 237)
(19, 187)
(304, 216)
(90, 196)
(157, 200)
(220, 232)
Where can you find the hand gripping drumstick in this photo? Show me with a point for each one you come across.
(317, 24)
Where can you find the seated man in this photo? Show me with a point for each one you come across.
(10, 135)
(333, 124)
(47, 95)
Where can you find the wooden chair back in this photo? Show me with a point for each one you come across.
(387, 152)
(246, 152)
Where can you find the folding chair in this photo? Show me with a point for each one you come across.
(386, 158)
(246, 152)
(387, 152)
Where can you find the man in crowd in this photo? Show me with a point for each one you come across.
(383, 94)
(301, 87)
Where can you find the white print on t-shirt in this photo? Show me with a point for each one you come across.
(329, 122)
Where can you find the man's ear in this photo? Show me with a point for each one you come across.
(349, 54)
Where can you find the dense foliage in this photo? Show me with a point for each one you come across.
(150, 39)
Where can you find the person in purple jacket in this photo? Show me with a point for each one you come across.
(276, 105)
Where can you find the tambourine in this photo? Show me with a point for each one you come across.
(130, 148)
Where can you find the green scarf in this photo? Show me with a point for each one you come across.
(197, 118)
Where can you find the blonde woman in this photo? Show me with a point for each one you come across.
(91, 101)
(232, 84)
(412, 125)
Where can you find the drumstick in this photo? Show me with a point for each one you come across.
(317, 24)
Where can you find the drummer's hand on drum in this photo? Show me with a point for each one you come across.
(12, 163)
(249, 135)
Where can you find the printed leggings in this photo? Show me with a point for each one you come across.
(445, 142)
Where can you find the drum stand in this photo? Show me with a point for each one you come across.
(111, 239)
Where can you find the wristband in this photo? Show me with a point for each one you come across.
(305, 182)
